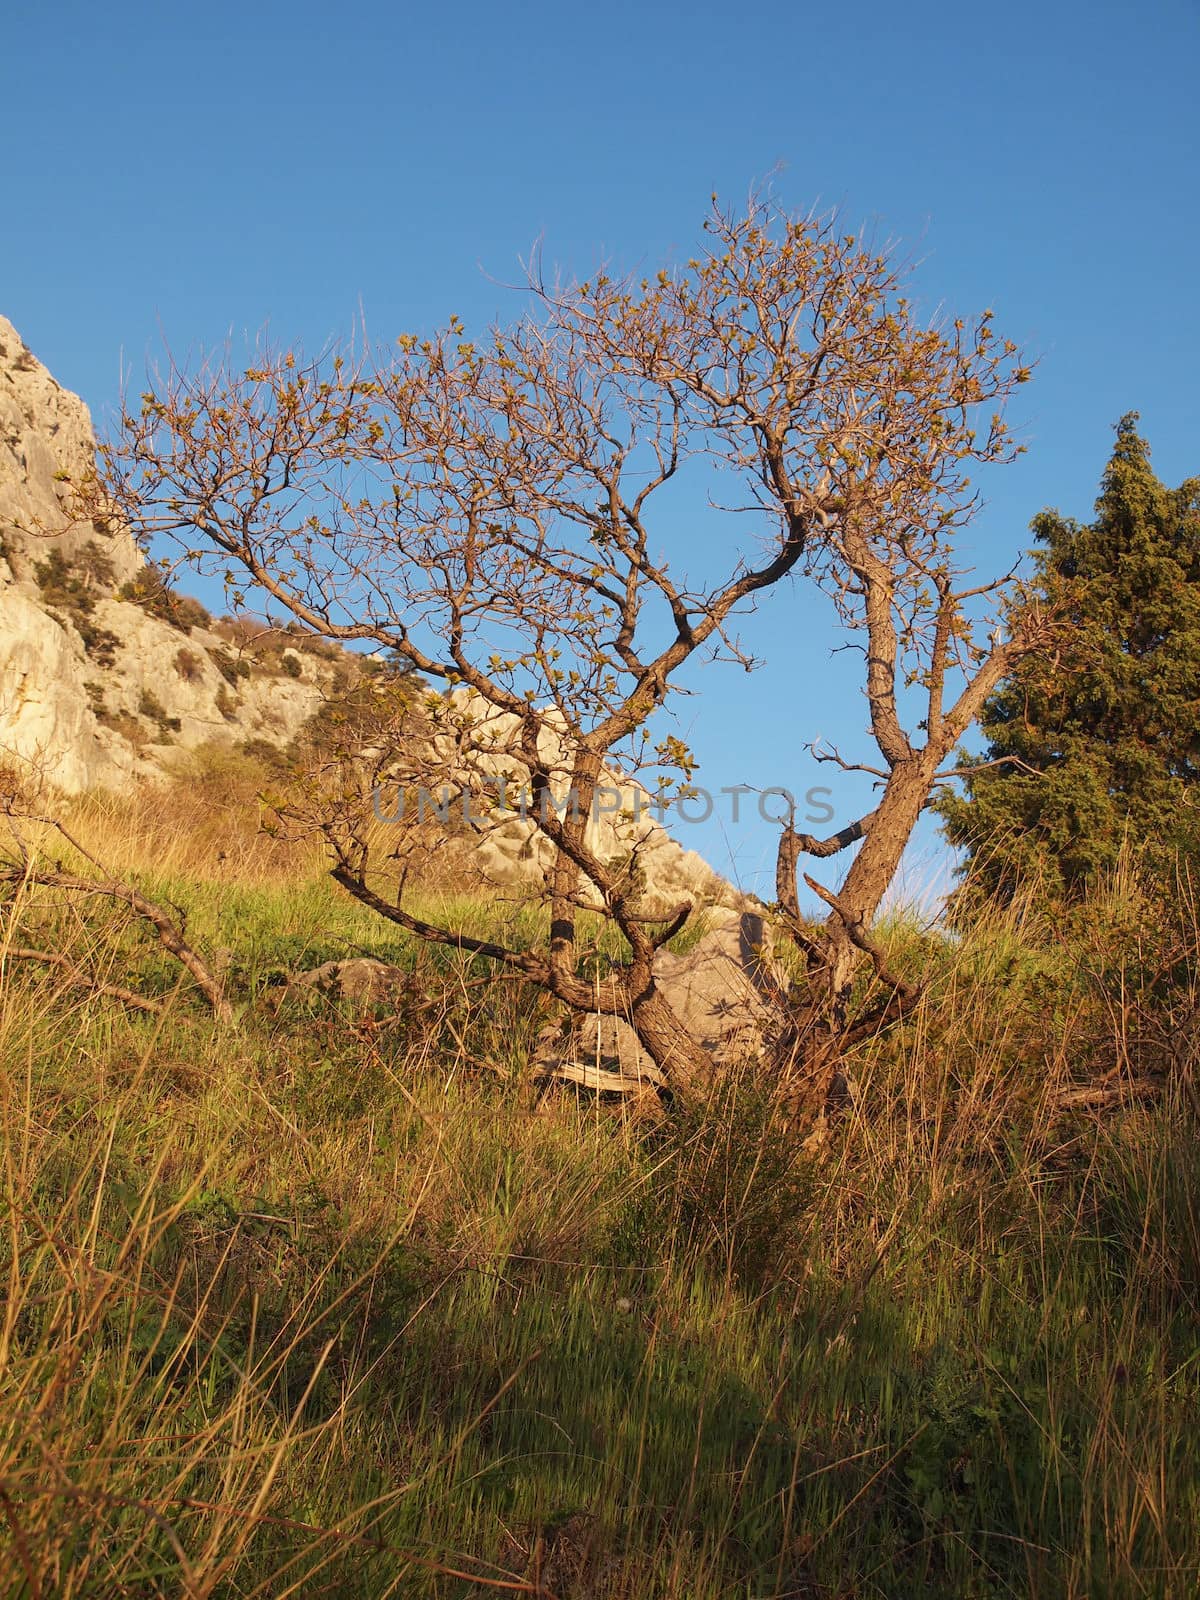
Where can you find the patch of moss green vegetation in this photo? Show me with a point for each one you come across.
(69, 590)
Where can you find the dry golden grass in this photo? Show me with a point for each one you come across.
(326, 1302)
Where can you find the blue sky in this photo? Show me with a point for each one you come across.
(180, 172)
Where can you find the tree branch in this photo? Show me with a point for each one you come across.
(856, 932)
(169, 935)
(77, 976)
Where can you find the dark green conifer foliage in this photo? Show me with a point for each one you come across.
(1101, 738)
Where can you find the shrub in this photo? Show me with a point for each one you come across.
(59, 585)
(129, 728)
(265, 642)
(67, 591)
(95, 564)
(230, 667)
(100, 643)
(187, 664)
(274, 760)
(290, 666)
(152, 593)
(150, 707)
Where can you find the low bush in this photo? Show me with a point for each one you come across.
(69, 589)
(232, 668)
(187, 664)
(150, 707)
(154, 595)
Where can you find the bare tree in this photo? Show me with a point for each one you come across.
(487, 514)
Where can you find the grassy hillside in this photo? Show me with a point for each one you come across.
(331, 1303)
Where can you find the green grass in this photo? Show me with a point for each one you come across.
(333, 1305)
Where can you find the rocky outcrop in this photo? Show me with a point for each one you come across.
(725, 990)
(98, 689)
(46, 444)
(475, 751)
(359, 982)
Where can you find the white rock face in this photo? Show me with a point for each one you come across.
(479, 745)
(46, 722)
(46, 438)
(726, 991)
(77, 709)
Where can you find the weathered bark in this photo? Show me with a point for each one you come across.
(809, 1050)
(687, 1067)
(874, 867)
(78, 977)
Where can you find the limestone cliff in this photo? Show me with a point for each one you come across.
(104, 676)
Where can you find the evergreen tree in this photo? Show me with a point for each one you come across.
(1099, 740)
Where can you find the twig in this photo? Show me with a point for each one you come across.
(112, 991)
(856, 932)
(170, 935)
(1101, 1097)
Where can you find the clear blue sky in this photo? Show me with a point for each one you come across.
(180, 171)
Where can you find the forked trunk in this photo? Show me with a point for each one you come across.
(807, 1055)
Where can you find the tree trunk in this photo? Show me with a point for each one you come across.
(686, 1066)
(807, 1056)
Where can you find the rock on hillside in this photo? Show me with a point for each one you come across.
(474, 744)
(103, 677)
